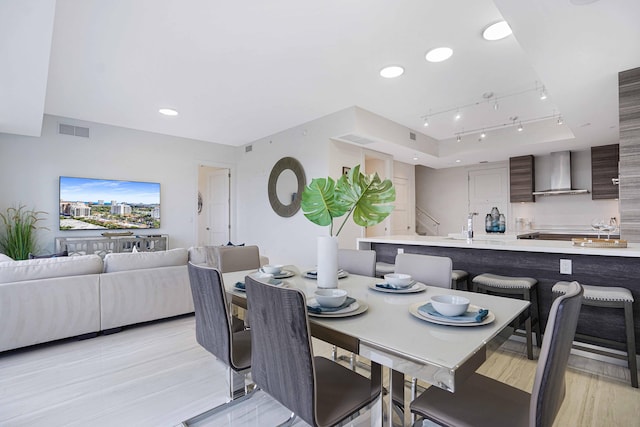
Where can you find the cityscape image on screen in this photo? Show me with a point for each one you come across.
(92, 204)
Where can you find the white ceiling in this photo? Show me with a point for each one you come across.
(238, 71)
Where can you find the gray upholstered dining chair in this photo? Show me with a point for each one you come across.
(214, 333)
(316, 389)
(483, 401)
(361, 262)
(428, 269)
(237, 258)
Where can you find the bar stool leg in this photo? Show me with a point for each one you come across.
(538, 328)
(527, 326)
(631, 343)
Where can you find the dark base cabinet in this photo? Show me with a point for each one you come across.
(545, 267)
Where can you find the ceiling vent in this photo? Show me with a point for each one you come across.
(357, 139)
(73, 130)
(412, 136)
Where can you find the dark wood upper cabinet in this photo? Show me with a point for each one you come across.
(604, 168)
(521, 179)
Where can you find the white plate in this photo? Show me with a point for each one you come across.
(284, 274)
(341, 274)
(416, 287)
(413, 309)
(352, 310)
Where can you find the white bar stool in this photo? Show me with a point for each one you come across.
(612, 297)
(458, 278)
(525, 287)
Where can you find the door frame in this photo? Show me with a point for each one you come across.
(232, 198)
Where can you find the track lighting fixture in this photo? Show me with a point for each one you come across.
(458, 115)
(459, 138)
(483, 135)
(543, 94)
(520, 128)
(426, 122)
(560, 120)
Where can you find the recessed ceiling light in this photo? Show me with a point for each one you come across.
(439, 54)
(497, 31)
(458, 161)
(415, 158)
(392, 71)
(168, 111)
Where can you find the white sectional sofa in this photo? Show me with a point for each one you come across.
(48, 299)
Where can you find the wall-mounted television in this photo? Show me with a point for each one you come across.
(108, 204)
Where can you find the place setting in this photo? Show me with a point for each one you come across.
(451, 310)
(313, 274)
(334, 303)
(263, 277)
(277, 270)
(396, 283)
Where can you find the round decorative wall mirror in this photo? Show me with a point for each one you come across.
(286, 183)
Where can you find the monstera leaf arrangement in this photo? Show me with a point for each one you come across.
(366, 197)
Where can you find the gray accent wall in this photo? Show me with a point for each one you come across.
(629, 101)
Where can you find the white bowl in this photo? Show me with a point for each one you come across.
(398, 280)
(450, 305)
(331, 297)
(271, 269)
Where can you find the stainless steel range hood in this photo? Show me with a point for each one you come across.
(560, 176)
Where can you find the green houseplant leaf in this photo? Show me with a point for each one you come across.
(367, 197)
(18, 238)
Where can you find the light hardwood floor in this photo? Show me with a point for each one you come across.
(157, 375)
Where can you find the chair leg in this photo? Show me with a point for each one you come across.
(238, 393)
(631, 343)
(289, 421)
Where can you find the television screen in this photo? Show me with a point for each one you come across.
(98, 204)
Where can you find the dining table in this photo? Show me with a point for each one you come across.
(389, 327)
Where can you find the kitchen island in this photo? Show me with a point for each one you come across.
(539, 259)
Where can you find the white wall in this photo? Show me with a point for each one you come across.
(30, 167)
(443, 194)
(285, 240)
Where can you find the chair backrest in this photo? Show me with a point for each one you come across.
(213, 329)
(428, 269)
(358, 262)
(282, 356)
(237, 258)
(549, 385)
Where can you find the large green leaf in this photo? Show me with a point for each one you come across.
(367, 197)
(319, 202)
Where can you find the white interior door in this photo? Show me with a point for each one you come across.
(400, 215)
(216, 205)
(488, 188)
(380, 166)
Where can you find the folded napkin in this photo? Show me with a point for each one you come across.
(315, 272)
(240, 285)
(390, 286)
(468, 317)
(318, 309)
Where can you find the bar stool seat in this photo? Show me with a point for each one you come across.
(612, 297)
(383, 268)
(525, 287)
(459, 277)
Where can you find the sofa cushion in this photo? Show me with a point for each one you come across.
(142, 260)
(33, 269)
(4, 258)
(198, 255)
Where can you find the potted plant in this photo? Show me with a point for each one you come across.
(366, 198)
(18, 239)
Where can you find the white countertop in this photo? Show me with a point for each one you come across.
(505, 243)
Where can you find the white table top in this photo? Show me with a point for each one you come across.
(503, 244)
(391, 336)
